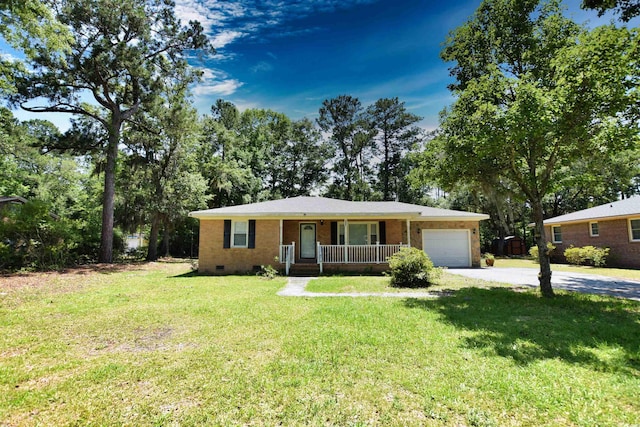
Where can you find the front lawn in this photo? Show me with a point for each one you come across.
(155, 345)
(380, 284)
(623, 273)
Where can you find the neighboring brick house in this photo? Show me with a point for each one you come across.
(614, 225)
(332, 234)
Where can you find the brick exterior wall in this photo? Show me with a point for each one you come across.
(237, 260)
(613, 234)
(241, 260)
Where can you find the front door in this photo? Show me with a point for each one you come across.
(307, 240)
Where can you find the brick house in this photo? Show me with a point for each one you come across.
(614, 225)
(327, 234)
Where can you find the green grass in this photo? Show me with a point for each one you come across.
(163, 347)
(380, 284)
(610, 272)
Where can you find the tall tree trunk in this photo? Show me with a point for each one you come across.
(165, 240)
(106, 236)
(386, 173)
(545, 264)
(152, 250)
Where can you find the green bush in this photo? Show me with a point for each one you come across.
(587, 255)
(268, 272)
(411, 268)
(534, 251)
(32, 238)
(574, 255)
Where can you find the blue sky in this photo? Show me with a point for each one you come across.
(290, 55)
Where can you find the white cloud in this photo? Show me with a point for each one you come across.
(262, 67)
(8, 57)
(225, 37)
(223, 87)
(227, 21)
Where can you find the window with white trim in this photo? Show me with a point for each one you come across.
(634, 230)
(360, 233)
(239, 234)
(556, 234)
(594, 229)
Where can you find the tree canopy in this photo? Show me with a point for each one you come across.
(121, 55)
(535, 93)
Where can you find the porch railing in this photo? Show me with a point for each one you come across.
(356, 254)
(288, 256)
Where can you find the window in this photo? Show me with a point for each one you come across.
(556, 233)
(360, 233)
(240, 231)
(594, 229)
(634, 230)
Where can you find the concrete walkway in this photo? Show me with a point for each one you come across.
(296, 288)
(577, 282)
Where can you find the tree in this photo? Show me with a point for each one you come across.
(25, 23)
(352, 140)
(627, 9)
(536, 93)
(161, 167)
(395, 136)
(122, 53)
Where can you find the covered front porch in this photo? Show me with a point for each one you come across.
(345, 242)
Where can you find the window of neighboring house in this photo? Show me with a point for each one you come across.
(634, 230)
(240, 231)
(360, 233)
(594, 229)
(556, 233)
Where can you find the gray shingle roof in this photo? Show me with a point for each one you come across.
(621, 208)
(307, 207)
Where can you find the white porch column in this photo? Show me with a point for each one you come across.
(409, 233)
(281, 222)
(346, 240)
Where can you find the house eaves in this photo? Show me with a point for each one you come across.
(325, 208)
(620, 209)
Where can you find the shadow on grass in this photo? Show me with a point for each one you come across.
(581, 329)
(192, 273)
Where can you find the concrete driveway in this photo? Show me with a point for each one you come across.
(579, 282)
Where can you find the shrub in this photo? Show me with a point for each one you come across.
(411, 268)
(534, 251)
(590, 255)
(267, 272)
(574, 255)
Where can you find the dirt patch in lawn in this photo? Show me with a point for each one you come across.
(76, 276)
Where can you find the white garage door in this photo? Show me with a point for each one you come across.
(447, 248)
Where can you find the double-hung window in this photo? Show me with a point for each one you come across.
(634, 230)
(239, 234)
(594, 229)
(360, 233)
(556, 234)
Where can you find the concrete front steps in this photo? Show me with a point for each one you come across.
(304, 270)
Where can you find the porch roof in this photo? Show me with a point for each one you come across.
(322, 207)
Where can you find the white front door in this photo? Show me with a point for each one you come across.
(307, 240)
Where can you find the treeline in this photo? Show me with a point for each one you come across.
(171, 161)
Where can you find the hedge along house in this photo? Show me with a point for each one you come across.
(614, 225)
(332, 234)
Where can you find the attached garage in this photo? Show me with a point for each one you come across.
(448, 248)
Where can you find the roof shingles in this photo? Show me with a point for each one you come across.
(621, 208)
(321, 206)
